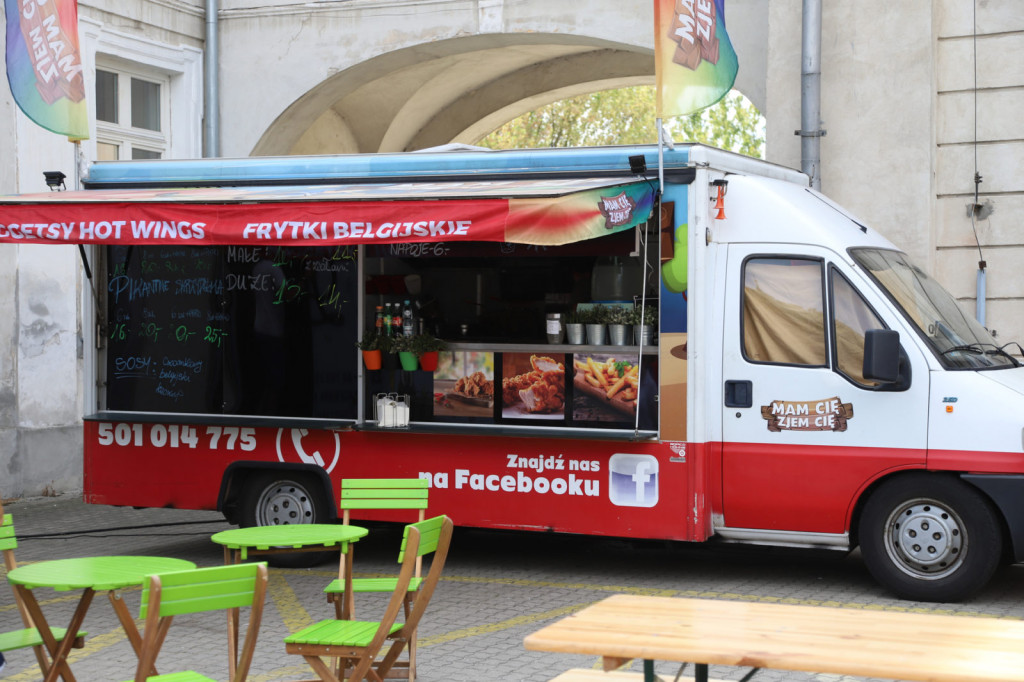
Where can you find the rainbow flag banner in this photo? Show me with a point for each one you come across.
(44, 65)
(695, 64)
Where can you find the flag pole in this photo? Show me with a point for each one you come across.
(661, 157)
(655, 215)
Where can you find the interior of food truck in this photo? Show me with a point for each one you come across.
(272, 331)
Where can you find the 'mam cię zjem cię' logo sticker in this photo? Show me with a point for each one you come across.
(830, 414)
(617, 211)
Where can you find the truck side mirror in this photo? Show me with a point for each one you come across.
(882, 355)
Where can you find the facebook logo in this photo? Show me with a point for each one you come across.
(633, 480)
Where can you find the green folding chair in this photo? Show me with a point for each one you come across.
(27, 637)
(381, 493)
(167, 595)
(357, 645)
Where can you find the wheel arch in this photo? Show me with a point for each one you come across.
(1006, 493)
(999, 492)
(235, 476)
(865, 494)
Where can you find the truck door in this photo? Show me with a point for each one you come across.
(803, 431)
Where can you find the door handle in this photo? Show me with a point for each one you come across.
(739, 393)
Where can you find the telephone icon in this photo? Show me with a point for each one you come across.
(315, 458)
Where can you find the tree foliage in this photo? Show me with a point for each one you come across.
(626, 116)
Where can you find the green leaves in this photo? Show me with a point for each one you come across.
(626, 116)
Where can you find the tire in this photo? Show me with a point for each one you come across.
(279, 498)
(930, 537)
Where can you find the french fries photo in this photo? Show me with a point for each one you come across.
(612, 381)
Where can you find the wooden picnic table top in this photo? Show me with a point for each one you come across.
(863, 642)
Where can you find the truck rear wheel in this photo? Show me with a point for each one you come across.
(280, 498)
(930, 537)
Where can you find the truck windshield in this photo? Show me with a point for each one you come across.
(959, 341)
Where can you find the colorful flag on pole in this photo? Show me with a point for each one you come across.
(695, 65)
(44, 65)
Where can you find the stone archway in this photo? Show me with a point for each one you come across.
(460, 88)
(457, 92)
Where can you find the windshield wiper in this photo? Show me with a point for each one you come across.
(980, 349)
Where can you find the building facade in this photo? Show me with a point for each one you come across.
(919, 99)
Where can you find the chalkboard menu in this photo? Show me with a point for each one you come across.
(232, 330)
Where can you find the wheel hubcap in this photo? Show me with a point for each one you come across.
(925, 539)
(284, 502)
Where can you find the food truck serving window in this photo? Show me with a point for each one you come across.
(271, 331)
(257, 313)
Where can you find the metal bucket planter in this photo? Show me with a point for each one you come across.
(574, 333)
(595, 334)
(618, 334)
(643, 335)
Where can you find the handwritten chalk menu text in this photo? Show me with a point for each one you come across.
(231, 330)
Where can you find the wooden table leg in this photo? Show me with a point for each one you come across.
(348, 609)
(128, 625)
(58, 652)
(229, 559)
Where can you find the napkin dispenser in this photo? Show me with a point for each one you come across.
(391, 410)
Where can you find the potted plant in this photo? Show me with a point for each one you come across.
(618, 325)
(405, 347)
(373, 345)
(595, 319)
(643, 327)
(425, 347)
(574, 327)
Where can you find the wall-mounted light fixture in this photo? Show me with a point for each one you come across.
(638, 164)
(54, 180)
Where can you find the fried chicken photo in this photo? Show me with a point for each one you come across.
(476, 385)
(541, 390)
(546, 394)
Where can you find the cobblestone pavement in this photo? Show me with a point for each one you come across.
(496, 588)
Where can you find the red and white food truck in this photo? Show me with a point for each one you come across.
(804, 384)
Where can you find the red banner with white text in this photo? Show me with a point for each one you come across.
(150, 218)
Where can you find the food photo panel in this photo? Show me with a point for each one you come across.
(464, 386)
(605, 387)
(532, 386)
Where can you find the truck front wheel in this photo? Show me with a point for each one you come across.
(930, 537)
(279, 498)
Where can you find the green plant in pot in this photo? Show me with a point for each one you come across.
(373, 345)
(426, 347)
(574, 327)
(596, 319)
(618, 324)
(405, 346)
(645, 322)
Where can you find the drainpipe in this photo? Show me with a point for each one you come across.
(810, 94)
(211, 86)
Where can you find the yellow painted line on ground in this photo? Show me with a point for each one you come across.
(276, 675)
(56, 600)
(502, 625)
(490, 628)
(702, 594)
(293, 614)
